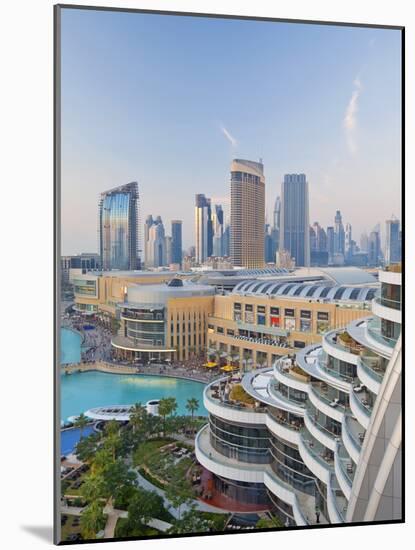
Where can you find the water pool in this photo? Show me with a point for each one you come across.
(70, 346)
(83, 391)
(69, 438)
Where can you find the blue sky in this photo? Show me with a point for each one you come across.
(169, 101)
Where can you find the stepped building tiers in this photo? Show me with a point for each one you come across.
(317, 437)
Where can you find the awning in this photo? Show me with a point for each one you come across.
(229, 368)
(210, 365)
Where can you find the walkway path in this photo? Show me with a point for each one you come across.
(201, 506)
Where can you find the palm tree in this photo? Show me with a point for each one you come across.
(137, 415)
(167, 406)
(92, 520)
(192, 405)
(261, 360)
(81, 422)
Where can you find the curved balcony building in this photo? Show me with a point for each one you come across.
(319, 435)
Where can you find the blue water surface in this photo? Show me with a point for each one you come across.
(69, 438)
(70, 346)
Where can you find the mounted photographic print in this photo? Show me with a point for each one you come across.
(229, 245)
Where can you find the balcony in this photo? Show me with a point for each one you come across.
(345, 470)
(217, 402)
(371, 370)
(326, 399)
(360, 405)
(318, 430)
(381, 343)
(223, 466)
(284, 425)
(316, 456)
(153, 317)
(291, 375)
(352, 436)
(387, 309)
(341, 346)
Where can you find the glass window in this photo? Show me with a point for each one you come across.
(237, 306)
(237, 316)
(249, 307)
(289, 324)
(261, 319)
(322, 316)
(275, 311)
(249, 317)
(219, 330)
(289, 312)
(299, 344)
(260, 309)
(305, 314)
(305, 325)
(275, 321)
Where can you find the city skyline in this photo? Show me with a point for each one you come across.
(341, 111)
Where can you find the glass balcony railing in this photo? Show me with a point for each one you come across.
(374, 330)
(323, 455)
(364, 401)
(373, 367)
(388, 302)
(328, 395)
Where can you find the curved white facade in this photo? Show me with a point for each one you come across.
(340, 418)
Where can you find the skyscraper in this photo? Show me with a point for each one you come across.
(176, 234)
(374, 252)
(217, 228)
(275, 232)
(203, 228)
(348, 249)
(294, 233)
(330, 243)
(339, 236)
(392, 244)
(247, 213)
(118, 227)
(227, 241)
(156, 244)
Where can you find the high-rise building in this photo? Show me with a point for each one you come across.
(348, 248)
(392, 244)
(294, 233)
(374, 251)
(155, 245)
(247, 213)
(217, 228)
(269, 245)
(118, 228)
(339, 236)
(275, 232)
(176, 234)
(227, 241)
(330, 243)
(364, 242)
(169, 249)
(203, 228)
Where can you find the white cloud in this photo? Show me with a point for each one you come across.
(350, 118)
(229, 136)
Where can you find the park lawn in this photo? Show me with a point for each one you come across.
(148, 449)
(218, 520)
(68, 528)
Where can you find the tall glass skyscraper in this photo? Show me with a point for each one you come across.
(118, 227)
(247, 213)
(176, 234)
(203, 228)
(392, 244)
(217, 227)
(294, 234)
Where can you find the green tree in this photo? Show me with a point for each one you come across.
(87, 447)
(192, 405)
(81, 422)
(116, 476)
(93, 487)
(179, 491)
(92, 520)
(144, 506)
(191, 522)
(138, 414)
(167, 406)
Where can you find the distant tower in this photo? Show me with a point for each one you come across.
(348, 241)
(176, 234)
(294, 233)
(392, 242)
(330, 243)
(203, 228)
(374, 251)
(118, 226)
(217, 227)
(339, 233)
(247, 213)
(156, 243)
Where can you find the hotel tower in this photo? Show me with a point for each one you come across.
(247, 213)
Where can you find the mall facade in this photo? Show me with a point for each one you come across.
(316, 438)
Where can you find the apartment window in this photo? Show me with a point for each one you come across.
(299, 344)
(275, 321)
(219, 330)
(305, 314)
(289, 312)
(249, 317)
(261, 319)
(289, 324)
(275, 311)
(260, 309)
(237, 306)
(322, 316)
(305, 325)
(249, 307)
(230, 332)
